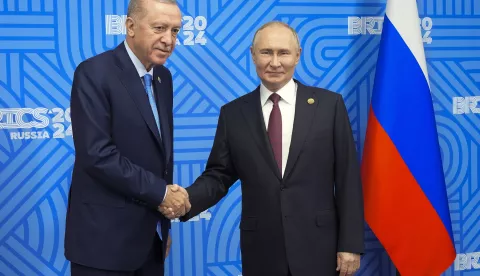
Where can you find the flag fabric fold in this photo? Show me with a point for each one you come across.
(406, 202)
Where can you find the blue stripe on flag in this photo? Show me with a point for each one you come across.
(403, 106)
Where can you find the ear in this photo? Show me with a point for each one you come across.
(299, 52)
(252, 51)
(130, 26)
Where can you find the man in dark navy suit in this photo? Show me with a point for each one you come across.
(122, 122)
(292, 147)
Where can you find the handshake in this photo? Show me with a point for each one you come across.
(176, 202)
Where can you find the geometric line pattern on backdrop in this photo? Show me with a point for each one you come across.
(42, 42)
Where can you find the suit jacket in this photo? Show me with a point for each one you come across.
(299, 221)
(122, 165)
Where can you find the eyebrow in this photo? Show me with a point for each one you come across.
(165, 23)
(270, 49)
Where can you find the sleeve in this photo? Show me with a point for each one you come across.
(348, 186)
(218, 177)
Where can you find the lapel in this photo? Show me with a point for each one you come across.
(128, 76)
(161, 87)
(304, 114)
(252, 112)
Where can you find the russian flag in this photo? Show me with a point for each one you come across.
(404, 187)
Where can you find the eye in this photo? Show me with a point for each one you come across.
(159, 28)
(175, 31)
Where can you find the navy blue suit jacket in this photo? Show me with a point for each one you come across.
(122, 164)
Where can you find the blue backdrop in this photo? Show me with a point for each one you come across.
(42, 41)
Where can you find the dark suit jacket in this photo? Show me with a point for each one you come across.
(303, 219)
(122, 166)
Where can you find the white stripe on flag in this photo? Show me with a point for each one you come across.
(404, 16)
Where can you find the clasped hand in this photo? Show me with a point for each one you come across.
(176, 202)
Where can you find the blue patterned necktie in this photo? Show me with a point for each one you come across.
(147, 81)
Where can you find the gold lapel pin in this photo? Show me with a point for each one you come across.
(159, 80)
(310, 101)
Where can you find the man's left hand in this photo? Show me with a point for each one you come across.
(347, 263)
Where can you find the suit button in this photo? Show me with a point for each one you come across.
(282, 188)
(166, 172)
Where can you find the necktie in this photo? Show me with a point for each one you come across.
(147, 81)
(275, 130)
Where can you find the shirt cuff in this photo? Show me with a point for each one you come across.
(166, 192)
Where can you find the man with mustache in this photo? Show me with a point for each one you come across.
(292, 147)
(122, 122)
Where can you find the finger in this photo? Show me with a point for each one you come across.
(178, 203)
(168, 212)
(350, 269)
(169, 216)
(338, 263)
(186, 207)
(174, 187)
(183, 211)
(179, 211)
(343, 269)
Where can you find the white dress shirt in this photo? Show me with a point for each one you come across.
(142, 71)
(288, 95)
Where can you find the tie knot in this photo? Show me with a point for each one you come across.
(148, 80)
(274, 98)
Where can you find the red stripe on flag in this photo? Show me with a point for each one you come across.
(397, 210)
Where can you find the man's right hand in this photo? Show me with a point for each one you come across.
(176, 203)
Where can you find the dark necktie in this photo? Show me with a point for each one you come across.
(275, 130)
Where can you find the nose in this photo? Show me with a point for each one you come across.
(274, 62)
(167, 38)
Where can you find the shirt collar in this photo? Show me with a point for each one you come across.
(138, 64)
(288, 93)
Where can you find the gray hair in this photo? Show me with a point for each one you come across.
(136, 9)
(276, 23)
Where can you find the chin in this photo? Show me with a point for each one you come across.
(159, 61)
(275, 81)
